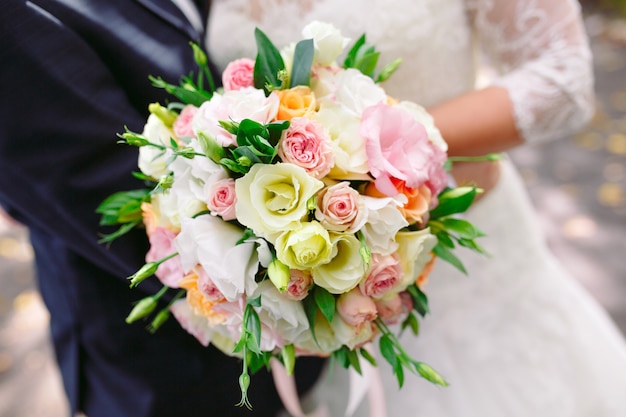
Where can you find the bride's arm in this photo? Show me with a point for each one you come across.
(545, 88)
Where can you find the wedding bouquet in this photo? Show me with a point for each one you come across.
(298, 209)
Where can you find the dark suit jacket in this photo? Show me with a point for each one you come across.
(73, 73)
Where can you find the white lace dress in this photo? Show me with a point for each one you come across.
(518, 337)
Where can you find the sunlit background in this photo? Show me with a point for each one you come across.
(578, 185)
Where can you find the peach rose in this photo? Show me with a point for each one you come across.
(200, 305)
(238, 74)
(299, 284)
(355, 308)
(295, 102)
(306, 144)
(384, 274)
(222, 199)
(390, 309)
(340, 208)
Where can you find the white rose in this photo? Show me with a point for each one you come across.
(272, 199)
(196, 175)
(153, 161)
(323, 82)
(383, 222)
(328, 41)
(357, 91)
(345, 269)
(234, 105)
(212, 243)
(414, 249)
(422, 116)
(348, 146)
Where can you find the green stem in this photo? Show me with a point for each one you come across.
(488, 157)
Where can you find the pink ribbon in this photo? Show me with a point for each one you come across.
(368, 382)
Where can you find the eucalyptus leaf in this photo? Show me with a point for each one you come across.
(302, 61)
(268, 63)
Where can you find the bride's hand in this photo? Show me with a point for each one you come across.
(484, 174)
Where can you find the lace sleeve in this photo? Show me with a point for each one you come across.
(541, 53)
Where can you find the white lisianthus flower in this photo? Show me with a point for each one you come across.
(153, 161)
(328, 41)
(285, 318)
(383, 222)
(305, 247)
(235, 105)
(345, 269)
(414, 250)
(424, 118)
(348, 145)
(357, 91)
(272, 199)
(325, 341)
(212, 243)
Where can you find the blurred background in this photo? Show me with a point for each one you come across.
(578, 185)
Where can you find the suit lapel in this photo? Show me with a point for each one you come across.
(169, 12)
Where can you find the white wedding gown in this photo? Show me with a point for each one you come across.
(518, 337)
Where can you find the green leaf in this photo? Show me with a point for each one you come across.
(288, 354)
(275, 130)
(341, 356)
(187, 96)
(387, 350)
(122, 207)
(351, 56)
(367, 356)
(452, 201)
(258, 361)
(254, 302)
(353, 357)
(420, 300)
(310, 309)
(399, 371)
(268, 62)
(253, 325)
(444, 238)
(462, 227)
(247, 234)
(302, 61)
(411, 322)
(447, 255)
(367, 64)
(108, 238)
(325, 301)
(471, 244)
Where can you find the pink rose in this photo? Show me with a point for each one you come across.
(183, 126)
(384, 274)
(355, 308)
(299, 284)
(207, 287)
(169, 272)
(390, 309)
(222, 199)
(398, 146)
(341, 208)
(238, 74)
(306, 144)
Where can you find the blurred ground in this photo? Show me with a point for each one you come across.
(578, 185)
